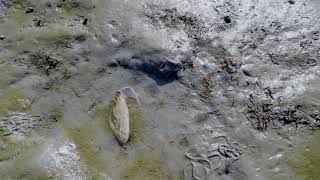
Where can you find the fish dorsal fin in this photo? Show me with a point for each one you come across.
(128, 92)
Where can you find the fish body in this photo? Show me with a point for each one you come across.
(119, 121)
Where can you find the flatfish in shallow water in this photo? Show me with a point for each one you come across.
(119, 120)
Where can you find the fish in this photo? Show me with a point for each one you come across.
(119, 120)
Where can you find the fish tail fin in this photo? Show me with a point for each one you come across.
(129, 92)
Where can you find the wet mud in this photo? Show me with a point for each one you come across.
(228, 89)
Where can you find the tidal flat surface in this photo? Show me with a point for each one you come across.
(229, 89)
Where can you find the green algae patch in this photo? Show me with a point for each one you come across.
(57, 38)
(144, 168)
(11, 100)
(176, 177)
(56, 114)
(20, 3)
(184, 141)
(23, 169)
(89, 148)
(72, 6)
(34, 174)
(136, 121)
(11, 150)
(9, 74)
(102, 113)
(8, 150)
(17, 161)
(87, 74)
(17, 13)
(305, 162)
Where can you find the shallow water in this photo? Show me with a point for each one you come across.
(58, 60)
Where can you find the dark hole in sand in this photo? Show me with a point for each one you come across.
(291, 2)
(154, 63)
(227, 19)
